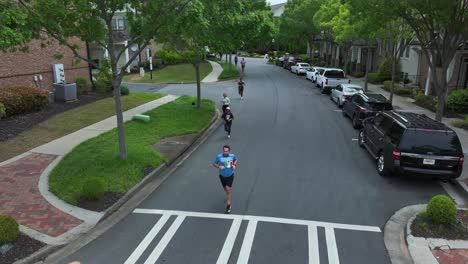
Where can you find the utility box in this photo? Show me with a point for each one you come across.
(65, 92)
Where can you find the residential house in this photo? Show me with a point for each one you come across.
(35, 67)
(277, 10)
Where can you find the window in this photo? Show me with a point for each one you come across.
(334, 74)
(385, 124)
(438, 142)
(358, 100)
(339, 88)
(118, 24)
(395, 132)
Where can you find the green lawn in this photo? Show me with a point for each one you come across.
(68, 122)
(172, 73)
(229, 71)
(99, 156)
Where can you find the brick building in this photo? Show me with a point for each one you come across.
(28, 68)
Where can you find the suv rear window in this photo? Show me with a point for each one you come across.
(334, 74)
(442, 143)
(379, 106)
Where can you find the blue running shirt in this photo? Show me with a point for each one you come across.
(227, 162)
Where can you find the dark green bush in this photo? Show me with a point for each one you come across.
(124, 90)
(82, 85)
(9, 229)
(441, 210)
(457, 101)
(102, 87)
(105, 73)
(20, 100)
(374, 78)
(2, 111)
(426, 101)
(93, 188)
(170, 57)
(385, 70)
(397, 88)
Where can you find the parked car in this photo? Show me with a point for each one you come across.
(343, 92)
(300, 68)
(280, 61)
(404, 142)
(361, 106)
(318, 71)
(311, 74)
(290, 62)
(330, 78)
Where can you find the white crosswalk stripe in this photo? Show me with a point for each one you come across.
(249, 236)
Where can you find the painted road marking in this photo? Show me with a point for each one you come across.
(247, 243)
(331, 246)
(261, 219)
(354, 139)
(147, 240)
(249, 236)
(229, 243)
(165, 240)
(314, 256)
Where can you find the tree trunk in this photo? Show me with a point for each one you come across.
(366, 80)
(226, 58)
(440, 83)
(230, 58)
(197, 72)
(118, 112)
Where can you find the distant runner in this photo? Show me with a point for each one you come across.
(243, 64)
(240, 87)
(225, 101)
(227, 117)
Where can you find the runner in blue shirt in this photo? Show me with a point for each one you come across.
(226, 163)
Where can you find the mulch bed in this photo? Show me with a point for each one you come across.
(99, 205)
(458, 231)
(14, 125)
(23, 247)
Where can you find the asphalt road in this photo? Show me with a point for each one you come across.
(297, 161)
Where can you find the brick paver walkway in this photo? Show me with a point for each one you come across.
(21, 199)
(453, 256)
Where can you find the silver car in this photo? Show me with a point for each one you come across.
(343, 92)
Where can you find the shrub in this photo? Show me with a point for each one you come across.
(397, 88)
(105, 73)
(9, 229)
(82, 85)
(124, 90)
(374, 78)
(426, 101)
(169, 57)
(93, 188)
(102, 87)
(385, 70)
(2, 111)
(19, 100)
(461, 123)
(358, 74)
(441, 210)
(457, 101)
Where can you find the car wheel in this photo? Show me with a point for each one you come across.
(361, 140)
(381, 168)
(355, 121)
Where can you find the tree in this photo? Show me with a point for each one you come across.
(91, 21)
(14, 30)
(441, 27)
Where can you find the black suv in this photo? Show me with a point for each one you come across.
(362, 106)
(404, 142)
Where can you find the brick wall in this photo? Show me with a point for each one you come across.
(19, 68)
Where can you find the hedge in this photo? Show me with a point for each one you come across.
(397, 88)
(457, 101)
(374, 78)
(9, 229)
(82, 85)
(385, 70)
(169, 57)
(23, 99)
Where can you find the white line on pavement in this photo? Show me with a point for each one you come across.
(229, 243)
(261, 219)
(338, 110)
(247, 243)
(331, 246)
(147, 240)
(165, 240)
(314, 256)
(354, 139)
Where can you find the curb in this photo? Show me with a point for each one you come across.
(38, 255)
(134, 196)
(395, 235)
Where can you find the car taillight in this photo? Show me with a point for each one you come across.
(461, 159)
(363, 110)
(396, 154)
(347, 96)
(326, 81)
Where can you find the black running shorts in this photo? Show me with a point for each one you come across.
(226, 181)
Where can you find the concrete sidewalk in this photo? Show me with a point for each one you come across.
(214, 74)
(24, 192)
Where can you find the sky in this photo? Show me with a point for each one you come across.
(274, 2)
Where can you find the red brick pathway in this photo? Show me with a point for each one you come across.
(20, 196)
(452, 256)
